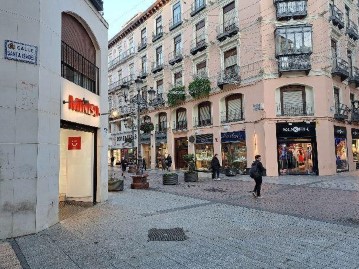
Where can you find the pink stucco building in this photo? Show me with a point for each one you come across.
(283, 83)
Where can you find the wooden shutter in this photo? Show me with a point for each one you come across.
(230, 57)
(204, 112)
(292, 102)
(234, 109)
(181, 116)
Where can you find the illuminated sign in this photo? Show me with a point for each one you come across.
(80, 105)
(74, 143)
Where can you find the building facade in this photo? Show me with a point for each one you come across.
(240, 78)
(53, 90)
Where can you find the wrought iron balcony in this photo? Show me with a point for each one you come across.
(341, 111)
(352, 30)
(142, 45)
(143, 74)
(301, 109)
(127, 54)
(145, 138)
(127, 81)
(161, 127)
(98, 4)
(340, 68)
(232, 115)
(202, 122)
(175, 22)
(114, 63)
(201, 74)
(336, 16)
(179, 125)
(199, 44)
(157, 67)
(227, 29)
(197, 7)
(175, 56)
(354, 76)
(157, 34)
(287, 9)
(229, 76)
(115, 86)
(158, 101)
(296, 62)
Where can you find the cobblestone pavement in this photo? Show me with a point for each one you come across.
(296, 225)
(8, 259)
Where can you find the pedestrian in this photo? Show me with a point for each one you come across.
(112, 161)
(163, 163)
(168, 162)
(215, 166)
(123, 165)
(144, 164)
(256, 172)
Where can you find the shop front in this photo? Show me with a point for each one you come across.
(355, 147)
(161, 149)
(145, 141)
(341, 149)
(297, 149)
(203, 151)
(234, 150)
(181, 149)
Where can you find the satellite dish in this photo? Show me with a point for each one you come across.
(191, 139)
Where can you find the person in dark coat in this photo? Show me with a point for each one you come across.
(144, 166)
(215, 166)
(258, 177)
(112, 161)
(168, 162)
(123, 165)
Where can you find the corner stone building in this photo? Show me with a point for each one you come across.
(284, 77)
(51, 150)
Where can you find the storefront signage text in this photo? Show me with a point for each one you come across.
(340, 131)
(299, 129)
(355, 133)
(204, 139)
(20, 52)
(79, 105)
(233, 136)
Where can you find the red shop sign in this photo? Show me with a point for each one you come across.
(74, 143)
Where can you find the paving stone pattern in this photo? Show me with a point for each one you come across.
(295, 225)
(8, 258)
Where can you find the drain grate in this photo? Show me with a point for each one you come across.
(215, 190)
(175, 234)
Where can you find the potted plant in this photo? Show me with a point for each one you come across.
(170, 179)
(230, 170)
(176, 96)
(199, 87)
(147, 127)
(115, 183)
(191, 175)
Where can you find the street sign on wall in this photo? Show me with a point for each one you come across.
(21, 52)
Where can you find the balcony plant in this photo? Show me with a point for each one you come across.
(147, 127)
(176, 96)
(191, 175)
(199, 87)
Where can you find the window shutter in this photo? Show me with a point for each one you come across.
(234, 111)
(204, 113)
(181, 116)
(292, 102)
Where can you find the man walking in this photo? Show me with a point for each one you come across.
(256, 172)
(123, 165)
(215, 165)
(168, 162)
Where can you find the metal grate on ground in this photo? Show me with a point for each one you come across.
(175, 234)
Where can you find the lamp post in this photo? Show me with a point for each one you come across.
(139, 102)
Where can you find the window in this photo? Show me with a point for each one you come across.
(144, 64)
(160, 88)
(347, 16)
(201, 69)
(352, 98)
(230, 60)
(159, 25)
(181, 117)
(177, 13)
(294, 40)
(200, 32)
(229, 14)
(234, 107)
(350, 62)
(143, 36)
(204, 114)
(177, 45)
(132, 70)
(293, 101)
(159, 56)
(198, 3)
(336, 100)
(162, 122)
(178, 78)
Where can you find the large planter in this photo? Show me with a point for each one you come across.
(139, 182)
(170, 179)
(230, 172)
(115, 184)
(190, 176)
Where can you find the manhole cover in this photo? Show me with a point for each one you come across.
(175, 234)
(215, 190)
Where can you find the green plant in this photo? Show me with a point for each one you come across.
(147, 127)
(189, 159)
(199, 87)
(176, 96)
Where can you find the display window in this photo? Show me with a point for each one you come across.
(295, 158)
(161, 154)
(234, 155)
(355, 149)
(204, 154)
(341, 154)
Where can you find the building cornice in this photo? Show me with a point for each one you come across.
(137, 22)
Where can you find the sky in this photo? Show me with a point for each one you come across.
(118, 12)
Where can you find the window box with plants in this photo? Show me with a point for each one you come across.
(147, 127)
(191, 175)
(199, 87)
(176, 96)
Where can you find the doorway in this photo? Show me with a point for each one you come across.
(181, 149)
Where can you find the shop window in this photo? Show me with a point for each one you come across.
(204, 154)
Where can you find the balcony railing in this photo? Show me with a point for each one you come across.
(142, 44)
(199, 44)
(301, 109)
(175, 22)
(157, 66)
(158, 101)
(287, 9)
(161, 127)
(201, 74)
(354, 76)
(145, 138)
(122, 58)
(352, 31)
(143, 73)
(179, 125)
(113, 63)
(128, 80)
(115, 86)
(98, 4)
(227, 29)
(341, 111)
(157, 34)
(340, 68)
(175, 56)
(290, 63)
(229, 76)
(197, 6)
(232, 115)
(202, 122)
(336, 16)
